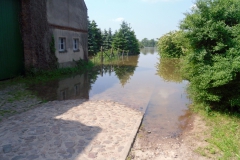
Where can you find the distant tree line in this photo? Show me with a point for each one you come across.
(123, 39)
(148, 43)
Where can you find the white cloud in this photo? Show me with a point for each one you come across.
(120, 19)
(165, 93)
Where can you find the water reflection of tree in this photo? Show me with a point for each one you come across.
(148, 50)
(93, 74)
(79, 85)
(124, 73)
(123, 67)
(169, 69)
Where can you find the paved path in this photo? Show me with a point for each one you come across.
(74, 130)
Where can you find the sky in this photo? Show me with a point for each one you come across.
(148, 18)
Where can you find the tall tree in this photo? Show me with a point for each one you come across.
(110, 35)
(125, 39)
(94, 38)
(104, 38)
(107, 39)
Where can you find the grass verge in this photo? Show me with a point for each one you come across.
(108, 57)
(33, 77)
(224, 131)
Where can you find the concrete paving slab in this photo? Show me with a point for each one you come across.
(73, 129)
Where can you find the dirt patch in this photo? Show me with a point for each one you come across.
(187, 145)
(195, 139)
(16, 99)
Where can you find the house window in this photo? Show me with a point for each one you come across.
(62, 44)
(77, 89)
(75, 44)
(63, 94)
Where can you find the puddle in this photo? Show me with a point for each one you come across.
(136, 81)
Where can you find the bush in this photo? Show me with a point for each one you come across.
(171, 45)
(213, 63)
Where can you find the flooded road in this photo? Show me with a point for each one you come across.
(143, 82)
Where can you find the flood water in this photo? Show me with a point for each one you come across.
(143, 82)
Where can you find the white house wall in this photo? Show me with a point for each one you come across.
(66, 59)
(68, 19)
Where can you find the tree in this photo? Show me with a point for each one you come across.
(152, 43)
(107, 39)
(140, 44)
(94, 38)
(114, 34)
(213, 63)
(148, 43)
(144, 42)
(171, 45)
(110, 36)
(125, 39)
(104, 38)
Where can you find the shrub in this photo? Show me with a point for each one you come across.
(213, 63)
(171, 45)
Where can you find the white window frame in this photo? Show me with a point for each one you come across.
(75, 44)
(62, 44)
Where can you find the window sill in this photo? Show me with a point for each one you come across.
(77, 50)
(65, 51)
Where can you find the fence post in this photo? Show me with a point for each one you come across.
(112, 52)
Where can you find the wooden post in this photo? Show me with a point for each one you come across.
(112, 52)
